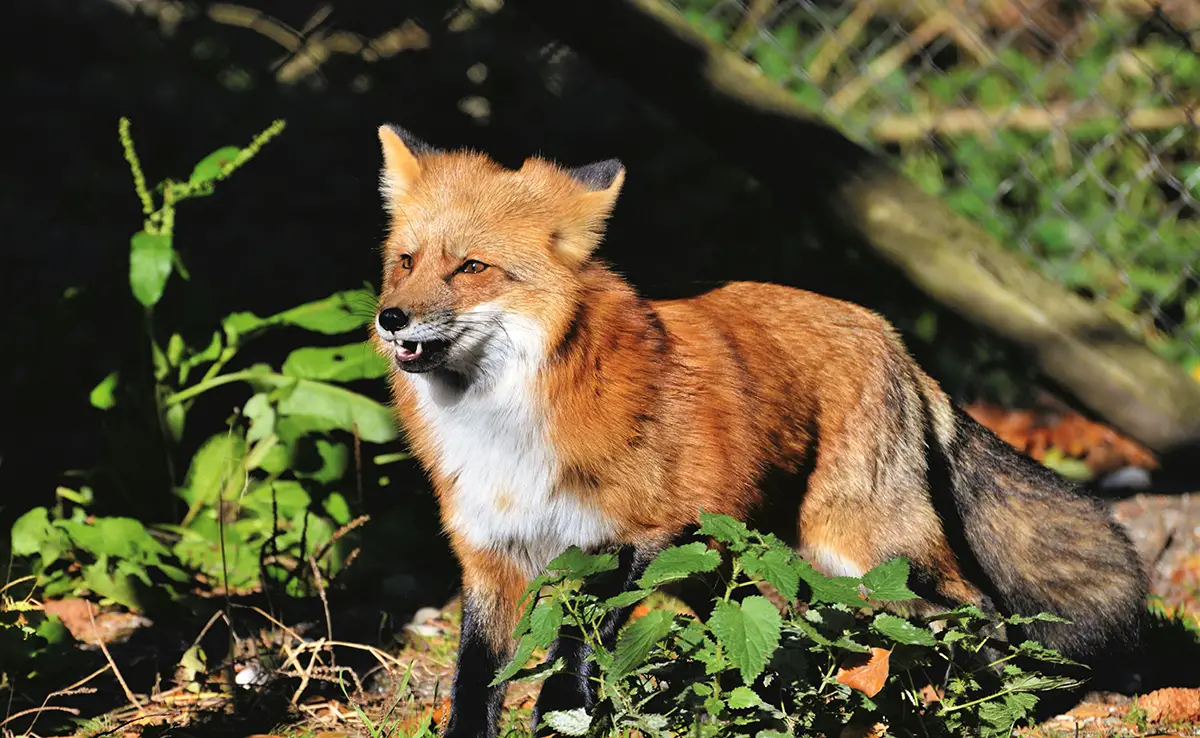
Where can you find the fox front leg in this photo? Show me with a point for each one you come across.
(474, 706)
(575, 685)
(492, 589)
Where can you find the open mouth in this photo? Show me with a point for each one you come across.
(419, 356)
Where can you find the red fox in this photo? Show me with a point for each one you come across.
(552, 406)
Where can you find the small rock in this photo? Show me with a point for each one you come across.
(426, 615)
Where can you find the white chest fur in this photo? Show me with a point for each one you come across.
(494, 441)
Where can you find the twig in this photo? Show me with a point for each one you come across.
(890, 60)
(203, 631)
(337, 534)
(39, 710)
(1055, 116)
(316, 571)
(73, 689)
(133, 700)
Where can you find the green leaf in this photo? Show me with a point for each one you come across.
(638, 640)
(748, 632)
(341, 312)
(568, 722)
(325, 407)
(150, 260)
(778, 566)
(334, 460)
(678, 562)
(103, 395)
(213, 465)
(902, 631)
(336, 364)
(337, 508)
(742, 698)
(545, 621)
(117, 588)
(725, 529)
(840, 590)
(625, 599)
(262, 417)
(30, 531)
(575, 563)
(175, 417)
(209, 168)
(888, 581)
(522, 654)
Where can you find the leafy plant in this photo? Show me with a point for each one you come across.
(264, 494)
(832, 660)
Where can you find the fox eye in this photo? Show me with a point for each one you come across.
(472, 267)
(406, 262)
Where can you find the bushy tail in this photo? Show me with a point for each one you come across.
(1042, 544)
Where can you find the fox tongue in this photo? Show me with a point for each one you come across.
(405, 353)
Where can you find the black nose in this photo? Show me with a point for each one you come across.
(392, 319)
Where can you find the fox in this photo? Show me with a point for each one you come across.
(551, 405)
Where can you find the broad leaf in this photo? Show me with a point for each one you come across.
(679, 562)
(522, 654)
(103, 395)
(209, 168)
(575, 563)
(336, 364)
(866, 673)
(638, 639)
(29, 531)
(150, 260)
(902, 631)
(841, 590)
(748, 632)
(888, 582)
(725, 529)
(341, 312)
(778, 567)
(625, 599)
(212, 467)
(325, 407)
(545, 622)
(741, 698)
(568, 722)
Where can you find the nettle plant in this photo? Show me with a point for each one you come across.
(832, 661)
(263, 494)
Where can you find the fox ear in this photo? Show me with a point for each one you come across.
(603, 180)
(400, 166)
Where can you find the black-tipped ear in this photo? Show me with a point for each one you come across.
(414, 144)
(599, 175)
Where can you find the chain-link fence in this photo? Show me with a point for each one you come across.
(1067, 130)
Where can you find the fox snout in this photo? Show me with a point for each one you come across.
(418, 345)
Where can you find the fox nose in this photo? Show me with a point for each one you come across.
(392, 319)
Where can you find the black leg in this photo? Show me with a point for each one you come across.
(474, 706)
(574, 686)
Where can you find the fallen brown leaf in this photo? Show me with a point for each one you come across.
(110, 626)
(866, 672)
(1171, 705)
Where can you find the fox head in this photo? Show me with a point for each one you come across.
(482, 262)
